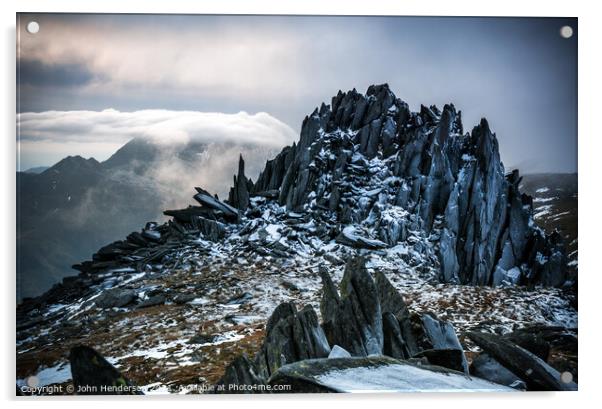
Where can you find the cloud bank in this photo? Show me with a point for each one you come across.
(221, 137)
(161, 126)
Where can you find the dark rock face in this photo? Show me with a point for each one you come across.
(394, 344)
(453, 181)
(448, 358)
(391, 302)
(356, 323)
(93, 375)
(291, 336)
(555, 345)
(353, 320)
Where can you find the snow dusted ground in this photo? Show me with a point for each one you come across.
(232, 293)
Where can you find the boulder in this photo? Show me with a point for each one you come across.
(441, 335)
(348, 237)
(338, 352)
(532, 340)
(485, 367)
(151, 235)
(537, 374)
(115, 298)
(310, 339)
(241, 376)
(208, 201)
(158, 299)
(393, 344)
(210, 229)
(291, 336)
(93, 375)
(447, 358)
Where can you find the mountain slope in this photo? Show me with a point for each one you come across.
(70, 209)
(555, 206)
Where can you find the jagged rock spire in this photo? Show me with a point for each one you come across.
(453, 181)
(239, 193)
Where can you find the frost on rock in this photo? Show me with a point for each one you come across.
(370, 375)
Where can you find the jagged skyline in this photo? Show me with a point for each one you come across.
(518, 72)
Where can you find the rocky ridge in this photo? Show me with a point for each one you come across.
(371, 162)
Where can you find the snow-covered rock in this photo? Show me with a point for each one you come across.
(377, 374)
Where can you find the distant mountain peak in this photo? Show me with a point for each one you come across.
(136, 150)
(75, 162)
(36, 170)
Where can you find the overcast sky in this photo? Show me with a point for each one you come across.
(519, 73)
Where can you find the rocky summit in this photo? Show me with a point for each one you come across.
(439, 261)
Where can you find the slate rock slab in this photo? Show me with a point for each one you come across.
(376, 374)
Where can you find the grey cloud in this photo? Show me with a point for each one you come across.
(37, 73)
(518, 72)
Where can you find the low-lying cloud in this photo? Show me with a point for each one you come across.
(161, 126)
(221, 137)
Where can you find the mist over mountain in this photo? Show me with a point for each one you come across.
(68, 210)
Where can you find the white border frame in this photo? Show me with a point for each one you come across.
(590, 148)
